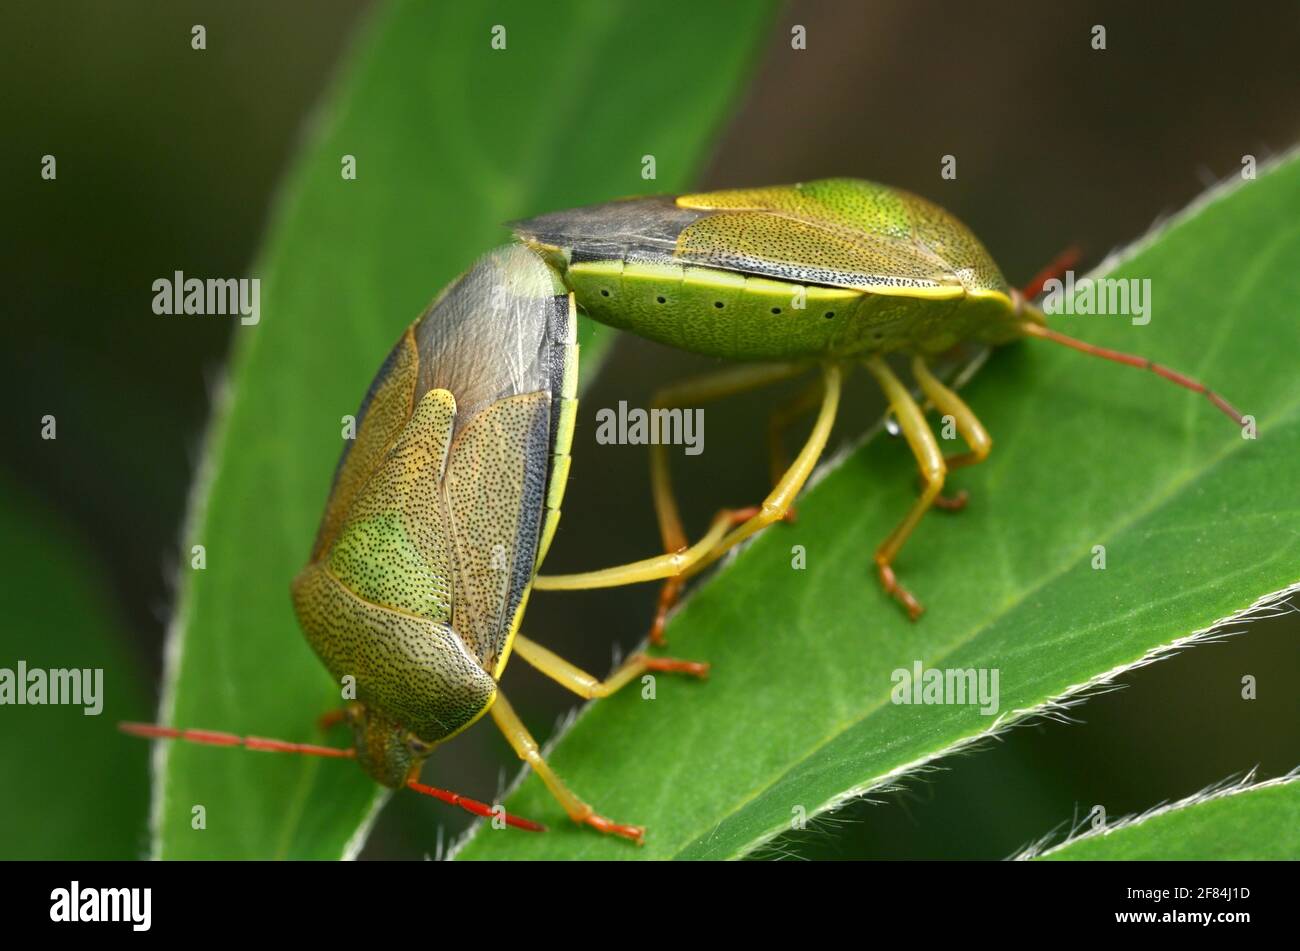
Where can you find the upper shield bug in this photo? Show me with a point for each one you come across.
(826, 275)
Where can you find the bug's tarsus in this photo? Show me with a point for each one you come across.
(635, 834)
(668, 595)
(951, 503)
(1142, 363)
(889, 580)
(1056, 268)
(671, 665)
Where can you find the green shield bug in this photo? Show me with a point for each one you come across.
(825, 275)
(440, 511)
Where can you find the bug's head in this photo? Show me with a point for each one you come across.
(386, 749)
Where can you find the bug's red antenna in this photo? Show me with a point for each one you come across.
(473, 805)
(1142, 363)
(1058, 266)
(1055, 269)
(215, 738)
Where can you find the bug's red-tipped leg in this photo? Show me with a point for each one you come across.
(948, 503)
(668, 595)
(896, 590)
(526, 747)
(609, 827)
(952, 503)
(671, 665)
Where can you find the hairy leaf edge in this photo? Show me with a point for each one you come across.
(1220, 790)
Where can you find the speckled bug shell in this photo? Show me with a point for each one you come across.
(443, 506)
(838, 267)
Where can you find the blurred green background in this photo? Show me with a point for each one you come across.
(170, 161)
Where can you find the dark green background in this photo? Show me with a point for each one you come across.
(169, 159)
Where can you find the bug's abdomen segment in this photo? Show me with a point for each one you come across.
(718, 313)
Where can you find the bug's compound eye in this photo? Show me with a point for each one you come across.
(417, 746)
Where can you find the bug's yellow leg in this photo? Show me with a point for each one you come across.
(527, 749)
(968, 425)
(585, 685)
(679, 554)
(672, 587)
(705, 389)
(930, 459)
(668, 565)
(780, 421)
(787, 488)
(718, 539)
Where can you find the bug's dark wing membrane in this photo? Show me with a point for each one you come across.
(502, 340)
(487, 336)
(639, 229)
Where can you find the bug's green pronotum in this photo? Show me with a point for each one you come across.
(443, 508)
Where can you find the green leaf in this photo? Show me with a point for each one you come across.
(451, 138)
(1197, 523)
(1240, 821)
(74, 786)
